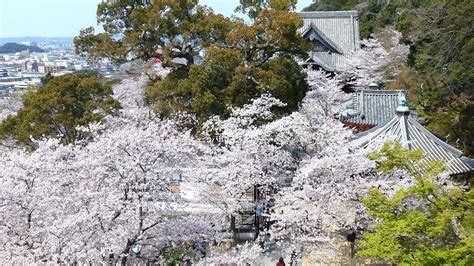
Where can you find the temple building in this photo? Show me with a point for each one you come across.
(369, 108)
(334, 35)
(406, 130)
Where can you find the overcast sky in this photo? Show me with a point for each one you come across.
(64, 18)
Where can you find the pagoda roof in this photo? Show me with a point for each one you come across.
(370, 107)
(406, 130)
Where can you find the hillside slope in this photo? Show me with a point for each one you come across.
(16, 47)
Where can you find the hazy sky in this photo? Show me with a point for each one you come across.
(64, 18)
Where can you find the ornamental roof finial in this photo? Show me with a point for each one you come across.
(402, 104)
(373, 85)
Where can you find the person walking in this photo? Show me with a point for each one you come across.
(280, 262)
(293, 258)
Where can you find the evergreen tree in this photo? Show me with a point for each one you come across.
(241, 59)
(442, 75)
(59, 107)
(426, 224)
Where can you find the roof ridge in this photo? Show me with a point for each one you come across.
(322, 14)
(380, 91)
(323, 36)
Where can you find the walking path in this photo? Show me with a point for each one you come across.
(273, 252)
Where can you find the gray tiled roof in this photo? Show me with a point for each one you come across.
(412, 135)
(371, 107)
(316, 61)
(311, 29)
(341, 28)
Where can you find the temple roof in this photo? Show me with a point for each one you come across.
(312, 33)
(337, 29)
(341, 27)
(403, 128)
(314, 60)
(371, 107)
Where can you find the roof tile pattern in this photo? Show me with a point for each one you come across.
(313, 32)
(371, 107)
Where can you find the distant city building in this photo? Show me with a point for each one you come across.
(34, 66)
(25, 53)
(333, 34)
(54, 69)
(22, 69)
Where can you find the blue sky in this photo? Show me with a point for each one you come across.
(64, 18)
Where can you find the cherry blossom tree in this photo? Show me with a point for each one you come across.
(96, 200)
(245, 155)
(250, 153)
(379, 59)
(143, 159)
(143, 183)
(322, 203)
(10, 105)
(132, 191)
(35, 201)
(114, 190)
(254, 153)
